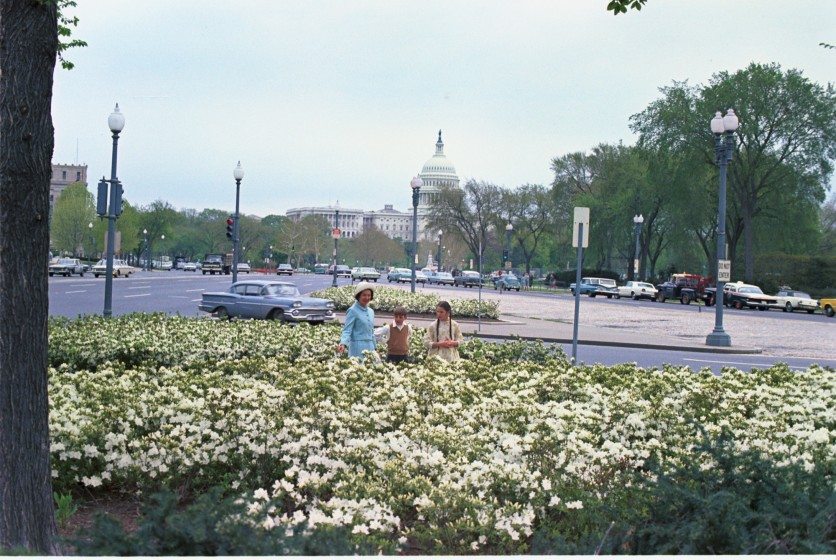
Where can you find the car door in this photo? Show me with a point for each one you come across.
(238, 305)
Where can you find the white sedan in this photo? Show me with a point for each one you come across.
(120, 268)
(790, 300)
(190, 267)
(637, 290)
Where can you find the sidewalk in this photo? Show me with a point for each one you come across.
(560, 331)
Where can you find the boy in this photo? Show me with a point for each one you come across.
(396, 336)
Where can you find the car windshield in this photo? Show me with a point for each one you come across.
(445, 275)
(66, 261)
(281, 290)
(750, 290)
(510, 277)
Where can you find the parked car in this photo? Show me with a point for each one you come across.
(507, 282)
(267, 299)
(637, 290)
(66, 267)
(284, 268)
(399, 275)
(686, 288)
(244, 267)
(190, 267)
(440, 278)
(302, 270)
(740, 295)
(420, 277)
(320, 268)
(120, 268)
(342, 270)
(596, 287)
(790, 300)
(365, 273)
(828, 305)
(468, 279)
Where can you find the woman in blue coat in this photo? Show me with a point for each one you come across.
(358, 330)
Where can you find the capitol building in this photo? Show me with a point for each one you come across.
(437, 172)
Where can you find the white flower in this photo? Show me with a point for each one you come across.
(574, 505)
(261, 494)
(92, 481)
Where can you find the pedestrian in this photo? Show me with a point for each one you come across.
(526, 279)
(358, 329)
(396, 336)
(444, 336)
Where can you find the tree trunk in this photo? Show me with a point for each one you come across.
(28, 46)
(748, 245)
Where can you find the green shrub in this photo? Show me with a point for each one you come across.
(213, 525)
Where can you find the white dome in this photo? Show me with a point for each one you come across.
(438, 166)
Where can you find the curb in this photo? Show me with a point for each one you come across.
(703, 349)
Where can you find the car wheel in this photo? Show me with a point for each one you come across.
(710, 301)
(276, 315)
(685, 300)
(828, 310)
(96, 275)
(591, 294)
(618, 296)
(222, 314)
(518, 289)
(50, 274)
(116, 274)
(738, 305)
(762, 308)
(634, 296)
(660, 298)
(788, 307)
(811, 311)
(609, 296)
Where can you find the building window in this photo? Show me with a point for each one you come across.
(64, 175)
(78, 175)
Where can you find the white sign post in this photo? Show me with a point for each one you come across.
(581, 217)
(580, 239)
(723, 271)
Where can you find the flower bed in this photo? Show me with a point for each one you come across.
(386, 299)
(443, 458)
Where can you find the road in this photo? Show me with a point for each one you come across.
(178, 292)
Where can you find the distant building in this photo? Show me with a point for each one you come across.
(64, 175)
(438, 172)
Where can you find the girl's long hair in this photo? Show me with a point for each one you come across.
(446, 307)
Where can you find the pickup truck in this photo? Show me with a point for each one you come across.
(66, 267)
(686, 288)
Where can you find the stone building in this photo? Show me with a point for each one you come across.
(437, 172)
(64, 175)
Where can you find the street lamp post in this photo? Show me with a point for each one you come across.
(116, 122)
(438, 260)
(162, 248)
(92, 244)
(507, 253)
(723, 129)
(238, 174)
(637, 226)
(416, 185)
(145, 241)
(336, 236)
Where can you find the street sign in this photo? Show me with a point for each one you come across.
(335, 233)
(635, 266)
(723, 271)
(581, 217)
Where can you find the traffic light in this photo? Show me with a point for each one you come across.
(229, 227)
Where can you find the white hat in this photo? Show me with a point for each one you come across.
(361, 287)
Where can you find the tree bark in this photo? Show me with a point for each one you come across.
(28, 46)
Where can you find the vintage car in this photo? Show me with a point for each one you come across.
(399, 275)
(790, 300)
(828, 305)
(120, 268)
(637, 290)
(365, 273)
(596, 287)
(267, 299)
(507, 282)
(190, 267)
(740, 295)
(244, 267)
(284, 268)
(440, 278)
(66, 267)
(468, 279)
(342, 270)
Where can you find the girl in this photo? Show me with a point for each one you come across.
(443, 335)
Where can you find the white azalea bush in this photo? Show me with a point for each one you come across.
(386, 299)
(473, 456)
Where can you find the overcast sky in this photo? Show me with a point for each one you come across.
(342, 100)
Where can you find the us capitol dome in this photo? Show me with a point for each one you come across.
(437, 172)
